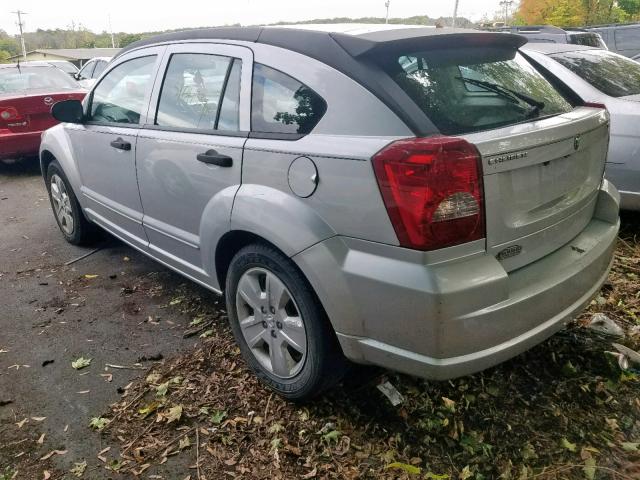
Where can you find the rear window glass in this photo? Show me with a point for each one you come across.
(35, 78)
(281, 104)
(587, 39)
(612, 74)
(460, 93)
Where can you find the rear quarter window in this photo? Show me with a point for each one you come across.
(282, 104)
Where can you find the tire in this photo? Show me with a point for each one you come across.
(297, 313)
(74, 226)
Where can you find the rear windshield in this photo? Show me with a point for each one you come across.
(34, 78)
(462, 92)
(612, 74)
(587, 39)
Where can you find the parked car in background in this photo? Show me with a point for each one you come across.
(602, 77)
(27, 93)
(91, 70)
(65, 66)
(623, 38)
(416, 198)
(551, 34)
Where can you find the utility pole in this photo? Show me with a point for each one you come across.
(20, 25)
(455, 14)
(506, 4)
(113, 42)
(386, 4)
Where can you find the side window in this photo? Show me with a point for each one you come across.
(120, 96)
(281, 104)
(87, 70)
(195, 91)
(100, 66)
(230, 111)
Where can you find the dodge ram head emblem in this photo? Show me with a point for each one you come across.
(48, 101)
(576, 142)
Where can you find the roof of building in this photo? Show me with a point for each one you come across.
(75, 53)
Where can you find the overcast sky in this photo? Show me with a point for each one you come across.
(141, 15)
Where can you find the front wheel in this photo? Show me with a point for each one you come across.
(66, 209)
(281, 328)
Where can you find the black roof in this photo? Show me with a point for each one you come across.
(355, 54)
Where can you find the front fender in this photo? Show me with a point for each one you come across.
(280, 218)
(56, 142)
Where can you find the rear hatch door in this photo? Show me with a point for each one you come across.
(540, 181)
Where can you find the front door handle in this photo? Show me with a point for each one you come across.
(121, 144)
(214, 158)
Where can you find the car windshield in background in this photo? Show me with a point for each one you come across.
(612, 74)
(463, 94)
(14, 79)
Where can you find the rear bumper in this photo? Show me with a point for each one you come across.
(450, 319)
(14, 145)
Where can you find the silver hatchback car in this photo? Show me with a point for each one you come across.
(414, 198)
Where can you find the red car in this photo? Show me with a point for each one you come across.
(27, 93)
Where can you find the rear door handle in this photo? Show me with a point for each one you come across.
(214, 158)
(120, 144)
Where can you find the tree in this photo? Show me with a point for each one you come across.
(128, 38)
(631, 7)
(4, 56)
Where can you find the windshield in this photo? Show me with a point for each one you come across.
(34, 78)
(461, 93)
(612, 74)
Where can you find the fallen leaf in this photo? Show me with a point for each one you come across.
(589, 468)
(411, 469)
(218, 416)
(162, 389)
(41, 439)
(149, 408)
(21, 423)
(630, 446)
(465, 473)
(174, 414)
(83, 392)
(78, 468)
(52, 453)
(99, 423)
(38, 419)
(184, 443)
(46, 475)
(90, 276)
(572, 447)
(81, 363)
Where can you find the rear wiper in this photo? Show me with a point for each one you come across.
(506, 92)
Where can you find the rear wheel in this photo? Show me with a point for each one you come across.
(280, 326)
(66, 209)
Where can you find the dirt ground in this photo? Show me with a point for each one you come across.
(187, 408)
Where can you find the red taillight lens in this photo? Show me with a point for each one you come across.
(595, 105)
(432, 189)
(8, 114)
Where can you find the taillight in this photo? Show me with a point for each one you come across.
(595, 105)
(432, 189)
(9, 113)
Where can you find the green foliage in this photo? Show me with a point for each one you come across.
(128, 38)
(4, 56)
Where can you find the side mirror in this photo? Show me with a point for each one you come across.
(69, 111)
